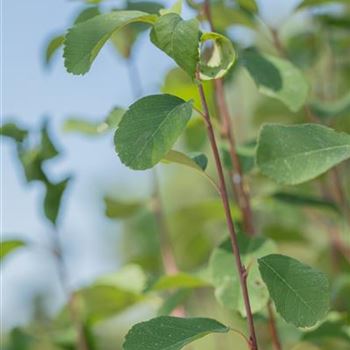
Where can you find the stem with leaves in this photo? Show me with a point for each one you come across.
(236, 175)
(226, 204)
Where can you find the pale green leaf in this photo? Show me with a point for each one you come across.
(170, 333)
(226, 279)
(177, 281)
(300, 293)
(312, 3)
(332, 109)
(221, 58)
(7, 247)
(248, 5)
(175, 8)
(277, 78)
(179, 39)
(118, 209)
(298, 153)
(149, 129)
(84, 41)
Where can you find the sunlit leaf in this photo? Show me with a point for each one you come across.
(10, 246)
(149, 129)
(170, 333)
(298, 153)
(277, 78)
(221, 58)
(300, 293)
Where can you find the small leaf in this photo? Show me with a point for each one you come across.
(175, 8)
(86, 14)
(52, 47)
(47, 148)
(198, 162)
(179, 39)
(300, 293)
(84, 41)
(149, 129)
(277, 78)
(248, 5)
(7, 247)
(298, 153)
(221, 59)
(117, 209)
(225, 277)
(13, 131)
(53, 198)
(170, 333)
(177, 281)
(171, 302)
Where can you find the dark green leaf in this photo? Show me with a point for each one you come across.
(86, 14)
(298, 153)
(179, 39)
(276, 77)
(13, 131)
(84, 41)
(170, 333)
(53, 198)
(149, 129)
(300, 293)
(7, 247)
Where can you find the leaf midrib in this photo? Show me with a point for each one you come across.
(288, 285)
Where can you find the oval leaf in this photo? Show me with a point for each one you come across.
(277, 78)
(7, 247)
(170, 333)
(298, 153)
(300, 293)
(84, 41)
(149, 129)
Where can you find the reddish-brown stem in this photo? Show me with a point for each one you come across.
(225, 201)
(273, 329)
(237, 182)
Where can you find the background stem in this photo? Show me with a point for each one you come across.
(273, 329)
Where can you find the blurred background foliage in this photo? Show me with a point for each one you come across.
(179, 213)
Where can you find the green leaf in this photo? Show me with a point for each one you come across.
(86, 127)
(198, 162)
(170, 333)
(300, 293)
(7, 247)
(171, 302)
(117, 209)
(311, 3)
(52, 47)
(221, 59)
(248, 5)
(86, 14)
(246, 155)
(13, 131)
(332, 109)
(298, 153)
(53, 198)
(149, 129)
(277, 78)
(177, 281)
(225, 277)
(175, 8)
(304, 200)
(47, 148)
(179, 39)
(84, 41)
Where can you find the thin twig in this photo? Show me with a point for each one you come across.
(273, 328)
(225, 201)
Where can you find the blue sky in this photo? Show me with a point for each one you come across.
(31, 92)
